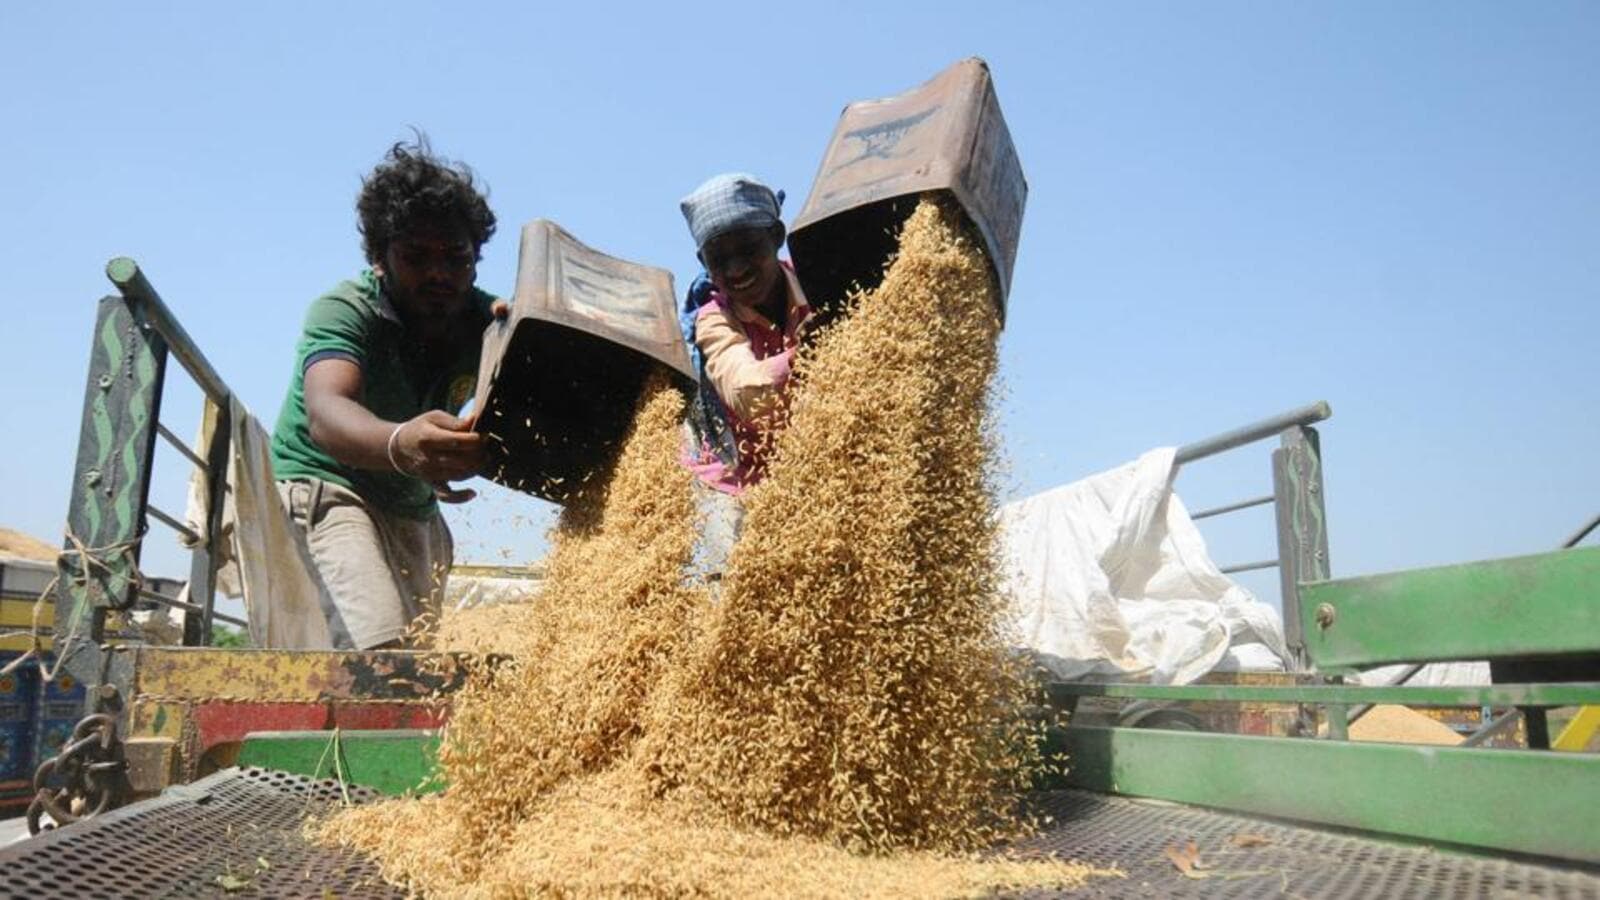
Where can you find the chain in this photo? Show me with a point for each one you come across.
(88, 776)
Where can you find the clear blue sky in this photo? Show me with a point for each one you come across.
(1235, 208)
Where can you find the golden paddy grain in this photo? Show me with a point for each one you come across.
(841, 718)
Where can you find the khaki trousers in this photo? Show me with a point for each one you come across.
(377, 571)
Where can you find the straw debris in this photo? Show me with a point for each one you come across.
(840, 718)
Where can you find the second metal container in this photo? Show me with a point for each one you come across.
(947, 135)
(559, 379)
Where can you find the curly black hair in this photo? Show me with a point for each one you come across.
(412, 188)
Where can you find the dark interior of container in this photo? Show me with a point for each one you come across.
(853, 249)
(847, 250)
(559, 407)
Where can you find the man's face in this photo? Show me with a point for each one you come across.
(743, 264)
(429, 272)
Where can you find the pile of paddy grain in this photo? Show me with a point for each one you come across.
(840, 718)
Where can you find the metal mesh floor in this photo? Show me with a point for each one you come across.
(211, 838)
(1280, 860)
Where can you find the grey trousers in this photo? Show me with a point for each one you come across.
(721, 523)
(377, 571)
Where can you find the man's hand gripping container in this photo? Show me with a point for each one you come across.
(560, 377)
(945, 136)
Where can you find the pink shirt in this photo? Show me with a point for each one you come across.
(748, 360)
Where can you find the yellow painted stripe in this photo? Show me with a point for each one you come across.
(17, 643)
(1579, 731)
(19, 613)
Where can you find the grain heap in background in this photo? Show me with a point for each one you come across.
(485, 628)
(847, 689)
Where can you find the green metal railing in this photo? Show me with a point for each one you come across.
(109, 511)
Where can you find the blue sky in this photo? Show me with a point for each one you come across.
(1235, 208)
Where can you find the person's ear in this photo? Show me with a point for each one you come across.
(778, 234)
(701, 256)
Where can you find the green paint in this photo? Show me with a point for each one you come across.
(160, 719)
(1509, 800)
(121, 270)
(1544, 604)
(100, 417)
(1549, 695)
(139, 399)
(393, 762)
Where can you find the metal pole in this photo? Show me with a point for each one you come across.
(1231, 507)
(1405, 675)
(203, 562)
(1581, 533)
(125, 274)
(163, 600)
(180, 446)
(1249, 434)
(1501, 722)
(1249, 567)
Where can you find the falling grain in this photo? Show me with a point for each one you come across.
(842, 718)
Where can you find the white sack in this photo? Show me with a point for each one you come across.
(1110, 577)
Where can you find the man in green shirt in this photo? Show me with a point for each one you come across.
(368, 442)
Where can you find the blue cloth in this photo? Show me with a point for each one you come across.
(729, 201)
(708, 418)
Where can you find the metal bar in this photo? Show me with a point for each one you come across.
(1249, 434)
(1539, 605)
(1552, 694)
(1405, 676)
(164, 600)
(1249, 567)
(203, 562)
(167, 520)
(183, 448)
(1338, 722)
(1232, 507)
(1536, 724)
(125, 274)
(1581, 533)
(1382, 787)
(1501, 722)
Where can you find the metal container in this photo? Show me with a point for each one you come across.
(947, 135)
(559, 378)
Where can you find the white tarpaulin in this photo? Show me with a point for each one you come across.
(1110, 577)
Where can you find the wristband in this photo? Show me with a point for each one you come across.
(392, 461)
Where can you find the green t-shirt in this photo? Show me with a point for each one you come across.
(355, 321)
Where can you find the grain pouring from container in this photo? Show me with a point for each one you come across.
(844, 719)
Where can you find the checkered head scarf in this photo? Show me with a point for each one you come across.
(726, 202)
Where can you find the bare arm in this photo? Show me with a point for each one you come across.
(435, 446)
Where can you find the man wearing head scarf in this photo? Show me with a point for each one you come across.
(744, 318)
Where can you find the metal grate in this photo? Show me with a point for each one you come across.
(1132, 835)
(186, 841)
(209, 838)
